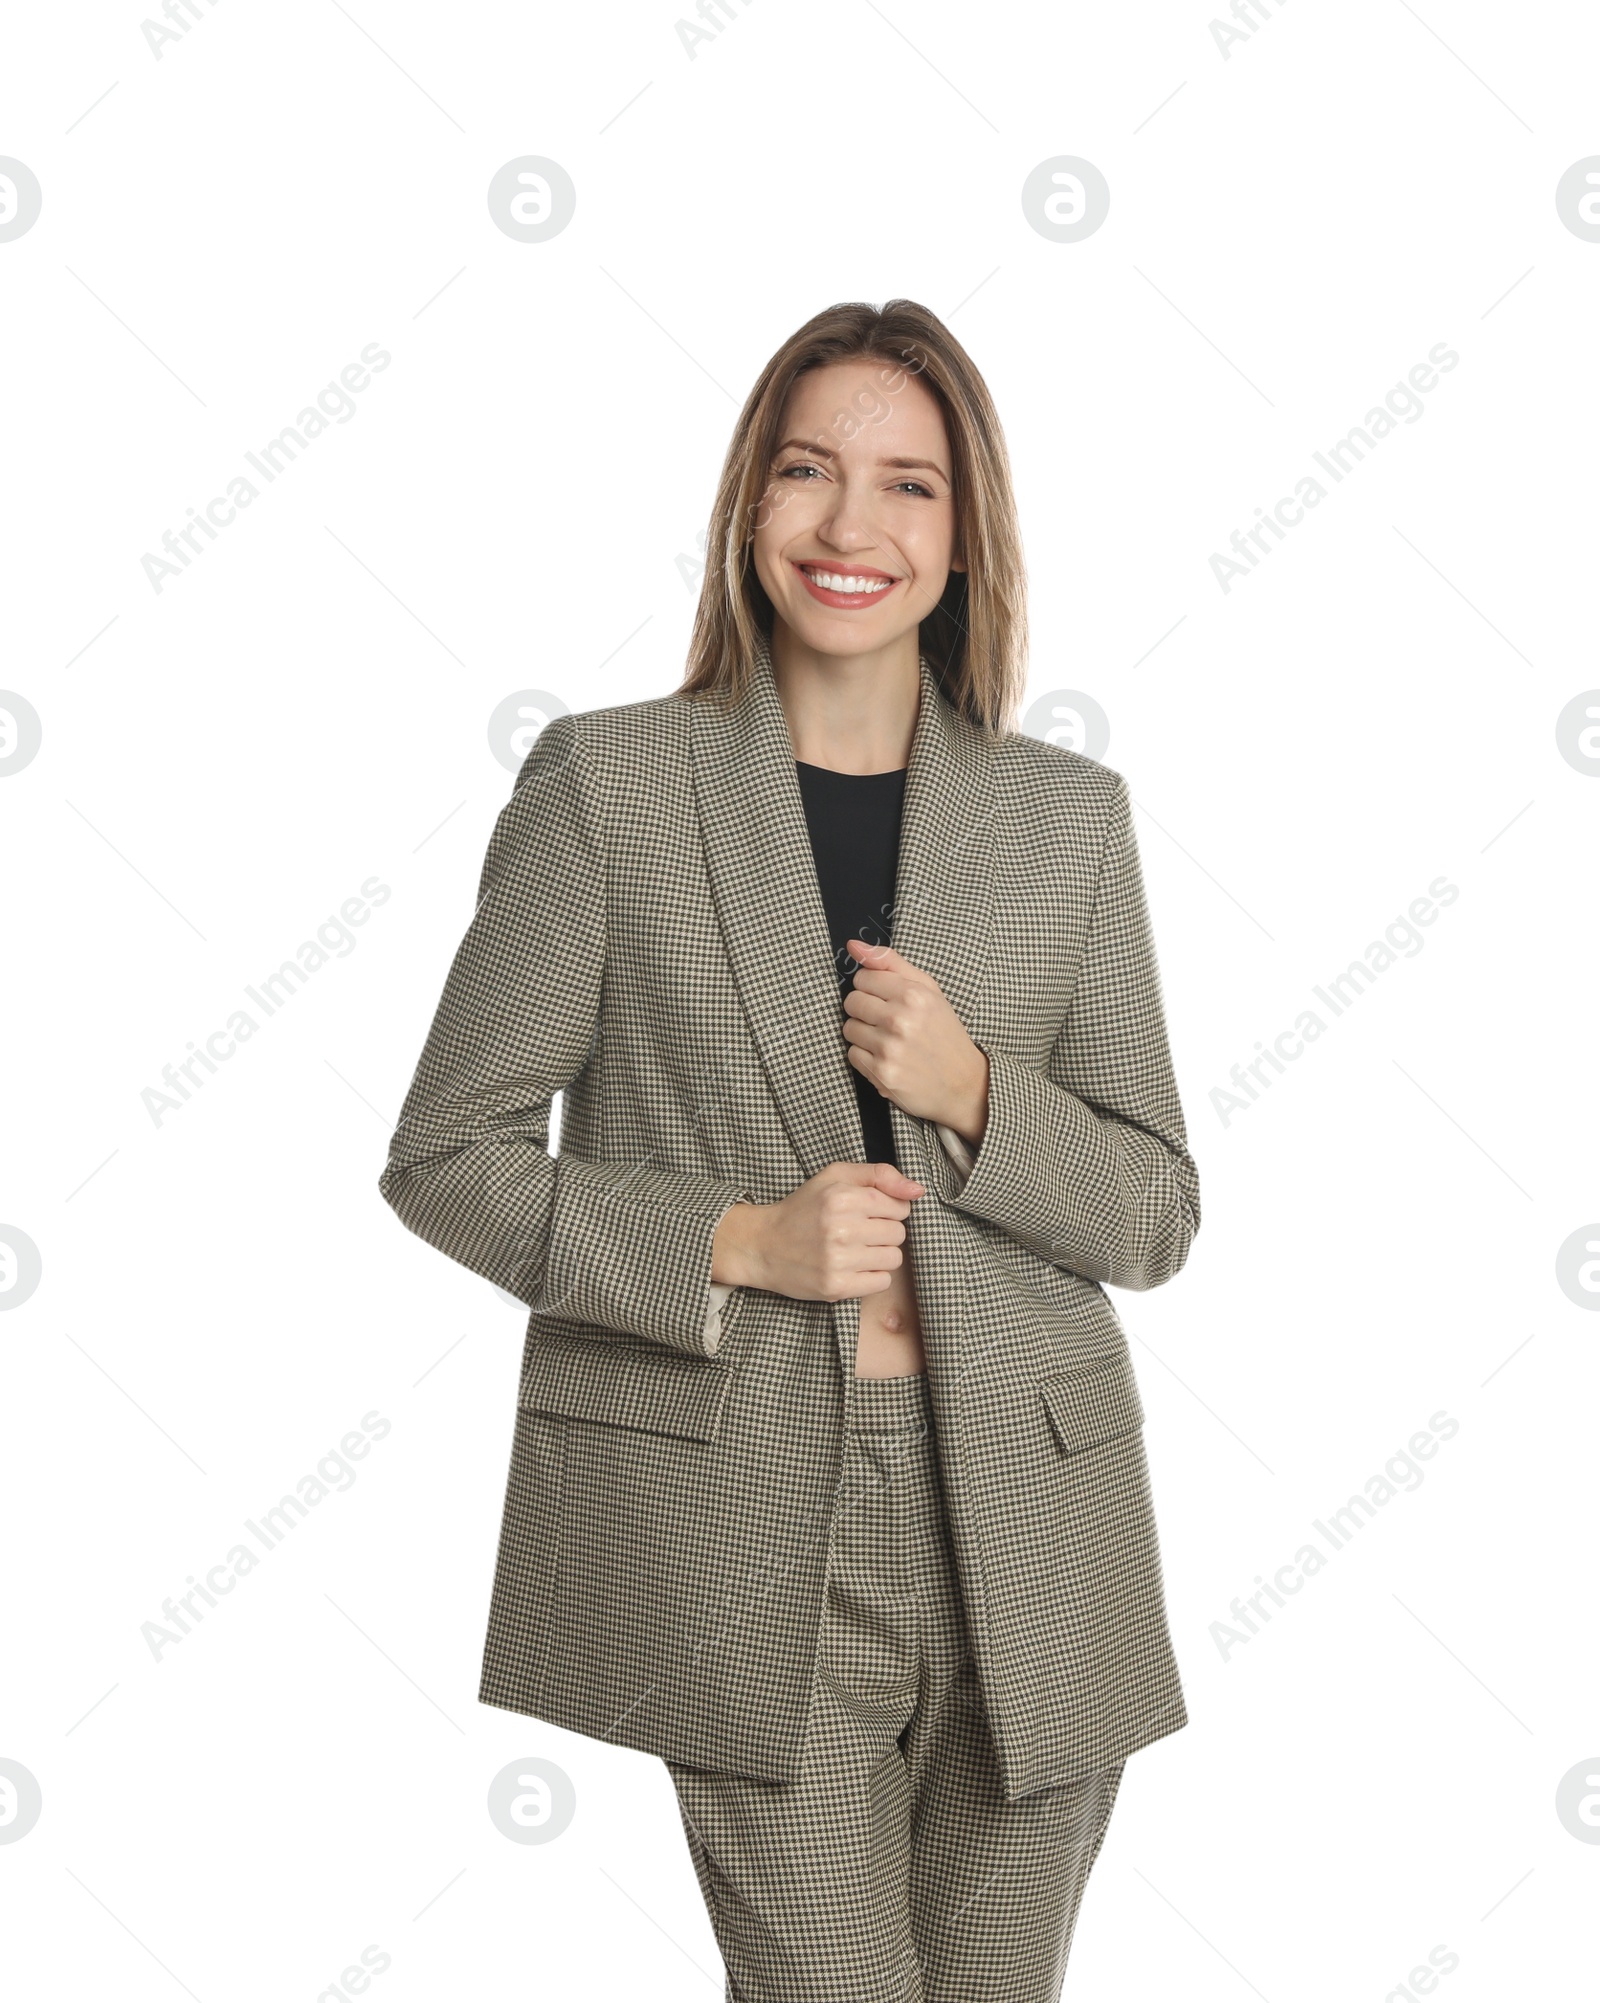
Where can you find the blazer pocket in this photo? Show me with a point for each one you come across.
(612, 1382)
(1090, 1407)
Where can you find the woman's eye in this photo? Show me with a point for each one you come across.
(800, 466)
(916, 487)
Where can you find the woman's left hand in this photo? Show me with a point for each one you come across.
(906, 1039)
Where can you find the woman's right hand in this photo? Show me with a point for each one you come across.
(837, 1237)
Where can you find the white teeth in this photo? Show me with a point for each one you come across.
(833, 581)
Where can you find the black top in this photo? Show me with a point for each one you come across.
(854, 822)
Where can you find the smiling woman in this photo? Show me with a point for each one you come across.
(828, 1484)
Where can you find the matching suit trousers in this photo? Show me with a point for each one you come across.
(893, 1870)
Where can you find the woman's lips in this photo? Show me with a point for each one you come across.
(846, 601)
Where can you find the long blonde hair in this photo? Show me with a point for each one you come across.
(975, 638)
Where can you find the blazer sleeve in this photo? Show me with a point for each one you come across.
(622, 1246)
(1086, 1163)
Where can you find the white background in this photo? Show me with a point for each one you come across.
(224, 1294)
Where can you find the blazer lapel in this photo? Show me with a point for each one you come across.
(764, 885)
(944, 879)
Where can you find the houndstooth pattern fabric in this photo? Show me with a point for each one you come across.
(893, 1867)
(650, 941)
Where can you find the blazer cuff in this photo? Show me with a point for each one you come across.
(1036, 1143)
(631, 1251)
(1101, 1197)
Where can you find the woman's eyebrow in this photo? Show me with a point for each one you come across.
(827, 452)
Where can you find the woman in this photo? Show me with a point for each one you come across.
(828, 1485)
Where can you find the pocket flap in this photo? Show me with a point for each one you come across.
(1089, 1407)
(621, 1383)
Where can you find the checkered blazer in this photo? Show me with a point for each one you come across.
(650, 941)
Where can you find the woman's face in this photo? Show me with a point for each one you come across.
(854, 536)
